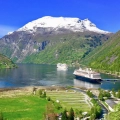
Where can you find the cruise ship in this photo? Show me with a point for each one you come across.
(61, 66)
(87, 75)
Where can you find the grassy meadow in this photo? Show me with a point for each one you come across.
(23, 107)
(22, 104)
(76, 100)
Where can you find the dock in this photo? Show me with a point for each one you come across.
(110, 79)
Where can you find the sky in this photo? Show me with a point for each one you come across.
(16, 13)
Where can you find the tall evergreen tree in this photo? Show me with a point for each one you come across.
(64, 115)
(71, 114)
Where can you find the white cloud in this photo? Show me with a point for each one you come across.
(6, 29)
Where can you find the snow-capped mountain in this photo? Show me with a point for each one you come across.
(50, 32)
(56, 23)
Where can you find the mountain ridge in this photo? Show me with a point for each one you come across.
(72, 24)
(24, 42)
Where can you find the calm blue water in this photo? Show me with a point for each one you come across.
(47, 75)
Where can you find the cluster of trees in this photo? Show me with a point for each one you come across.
(78, 113)
(68, 115)
(89, 93)
(103, 94)
(116, 93)
(6, 62)
(96, 110)
(65, 115)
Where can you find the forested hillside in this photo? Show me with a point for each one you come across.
(5, 62)
(67, 48)
(107, 56)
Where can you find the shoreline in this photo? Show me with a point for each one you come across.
(31, 87)
(53, 87)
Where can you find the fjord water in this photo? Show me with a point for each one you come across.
(47, 75)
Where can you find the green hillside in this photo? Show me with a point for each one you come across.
(106, 57)
(5, 62)
(67, 48)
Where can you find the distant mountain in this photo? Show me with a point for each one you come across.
(107, 56)
(5, 62)
(54, 34)
(57, 24)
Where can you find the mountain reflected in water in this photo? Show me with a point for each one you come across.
(48, 75)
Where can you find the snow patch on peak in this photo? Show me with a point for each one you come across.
(9, 33)
(73, 24)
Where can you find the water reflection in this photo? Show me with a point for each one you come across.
(57, 77)
(61, 73)
(32, 74)
(85, 84)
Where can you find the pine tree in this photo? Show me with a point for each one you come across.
(64, 115)
(71, 114)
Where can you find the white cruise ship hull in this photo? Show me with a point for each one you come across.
(87, 75)
(61, 66)
(91, 80)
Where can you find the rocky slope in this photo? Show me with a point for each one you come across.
(68, 48)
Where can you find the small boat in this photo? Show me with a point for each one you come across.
(88, 75)
(61, 66)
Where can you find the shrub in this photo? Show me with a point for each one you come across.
(1, 116)
(48, 98)
(42, 93)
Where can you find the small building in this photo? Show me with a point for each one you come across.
(110, 104)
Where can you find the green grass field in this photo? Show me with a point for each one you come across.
(70, 99)
(23, 107)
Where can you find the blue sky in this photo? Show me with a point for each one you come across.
(16, 13)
